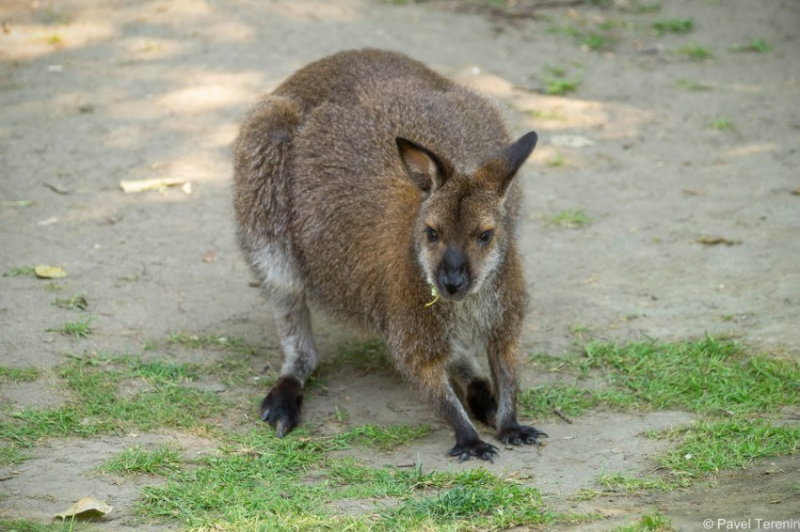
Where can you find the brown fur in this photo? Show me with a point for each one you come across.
(360, 181)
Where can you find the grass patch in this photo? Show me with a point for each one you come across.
(678, 25)
(709, 445)
(77, 302)
(20, 270)
(722, 124)
(558, 161)
(78, 329)
(706, 376)
(99, 406)
(260, 482)
(19, 374)
(383, 438)
(361, 356)
(571, 219)
(695, 52)
(477, 499)
(21, 525)
(545, 115)
(758, 46)
(619, 482)
(136, 460)
(654, 522)
(570, 400)
(10, 455)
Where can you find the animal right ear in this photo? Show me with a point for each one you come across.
(424, 168)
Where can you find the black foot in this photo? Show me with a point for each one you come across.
(520, 435)
(281, 407)
(477, 448)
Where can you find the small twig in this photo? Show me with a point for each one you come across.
(562, 416)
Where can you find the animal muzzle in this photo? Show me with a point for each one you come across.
(453, 277)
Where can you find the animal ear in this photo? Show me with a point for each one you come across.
(424, 168)
(501, 169)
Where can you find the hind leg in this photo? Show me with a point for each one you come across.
(281, 407)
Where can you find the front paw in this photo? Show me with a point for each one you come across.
(517, 434)
(478, 448)
(281, 407)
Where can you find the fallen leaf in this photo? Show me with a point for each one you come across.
(150, 184)
(716, 240)
(49, 272)
(211, 256)
(86, 507)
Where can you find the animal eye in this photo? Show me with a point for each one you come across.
(485, 237)
(433, 236)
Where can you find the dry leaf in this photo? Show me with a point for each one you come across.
(211, 256)
(150, 184)
(49, 272)
(716, 240)
(86, 507)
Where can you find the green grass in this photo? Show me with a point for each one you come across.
(78, 329)
(136, 460)
(639, 7)
(679, 25)
(19, 374)
(98, 405)
(690, 85)
(77, 302)
(21, 525)
(618, 482)
(264, 483)
(545, 115)
(570, 400)
(695, 52)
(722, 124)
(705, 376)
(711, 445)
(10, 455)
(360, 356)
(571, 219)
(756, 45)
(383, 438)
(19, 270)
(734, 392)
(557, 83)
(558, 161)
(598, 37)
(654, 522)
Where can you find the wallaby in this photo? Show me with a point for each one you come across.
(371, 187)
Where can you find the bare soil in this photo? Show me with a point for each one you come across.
(92, 93)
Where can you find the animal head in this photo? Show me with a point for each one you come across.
(460, 235)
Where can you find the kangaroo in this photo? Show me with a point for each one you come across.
(379, 191)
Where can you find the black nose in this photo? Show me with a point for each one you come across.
(452, 282)
(453, 272)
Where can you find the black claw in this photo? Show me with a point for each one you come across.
(479, 449)
(281, 406)
(520, 434)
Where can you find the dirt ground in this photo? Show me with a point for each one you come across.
(92, 93)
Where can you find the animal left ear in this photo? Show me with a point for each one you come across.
(501, 169)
